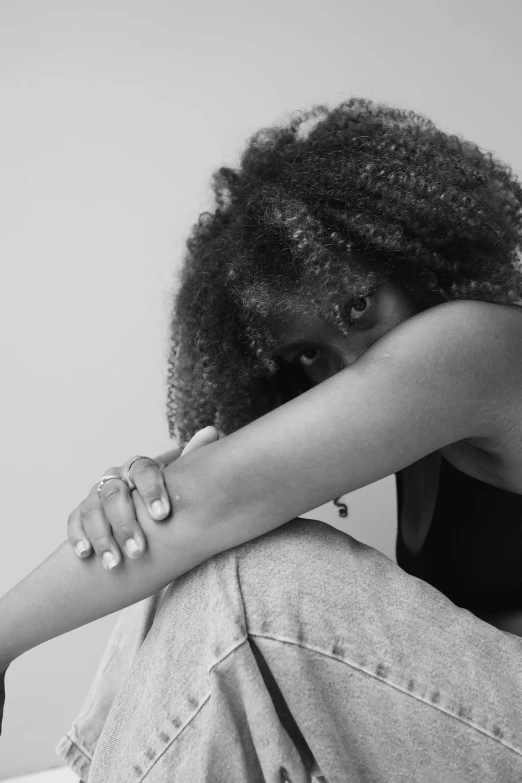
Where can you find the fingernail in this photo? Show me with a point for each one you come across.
(109, 561)
(81, 547)
(131, 547)
(158, 509)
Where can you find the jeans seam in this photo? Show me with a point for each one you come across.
(236, 646)
(362, 670)
(73, 739)
(173, 739)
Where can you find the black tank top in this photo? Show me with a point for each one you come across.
(473, 550)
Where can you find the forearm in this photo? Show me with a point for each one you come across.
(350, 431)
(64, 592)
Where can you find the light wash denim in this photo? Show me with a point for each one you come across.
(301, 655)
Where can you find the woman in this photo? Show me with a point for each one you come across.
(350, 310)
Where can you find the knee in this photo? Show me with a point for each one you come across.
(300, 543)
(302, 563)
(303, 546)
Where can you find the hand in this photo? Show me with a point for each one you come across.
(97, 519)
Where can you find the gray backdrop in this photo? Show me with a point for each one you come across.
(113, 115)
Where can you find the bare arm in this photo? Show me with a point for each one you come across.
(429, 382)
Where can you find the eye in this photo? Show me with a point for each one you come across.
(307, 359)
(358, 307)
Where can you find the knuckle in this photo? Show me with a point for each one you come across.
(101, 542)
(88, 514)
(142, 467)
(122, 529)
(112, 491)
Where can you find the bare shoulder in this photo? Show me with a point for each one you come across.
(464, 360)
(482, 338)
(485, 324)
(486, 338)
(493, 333)
(473, 312)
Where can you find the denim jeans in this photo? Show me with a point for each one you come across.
(301, 655)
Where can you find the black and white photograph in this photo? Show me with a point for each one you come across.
(261, 391)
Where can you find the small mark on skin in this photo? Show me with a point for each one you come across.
(381, 670)
(265, 625)
(193, 702)
(338, 650)
(164, 737)
(176, 722)
(216, 652)
(465, 713)
(435, 697)
(411, 685)
(137, 770)
(150, 754)
(497, 731)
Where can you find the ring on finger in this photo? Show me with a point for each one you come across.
(127, 478)
(108, 477)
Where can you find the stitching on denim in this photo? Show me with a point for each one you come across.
(175, 737)
(392, 685)
(229, 652)
(200, 707)
(73, 740)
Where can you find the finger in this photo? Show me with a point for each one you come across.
(98, 531)
(201, 438)
(77, 535)
(150, 483)
(120, 512)
(168, 457)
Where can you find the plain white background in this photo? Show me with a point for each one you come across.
(114, 113)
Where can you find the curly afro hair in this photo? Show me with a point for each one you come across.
(335, 202)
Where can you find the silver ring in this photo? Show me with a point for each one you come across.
(108, 477)
(128, 479)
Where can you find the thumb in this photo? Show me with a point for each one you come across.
(169, 456)
(201, 438)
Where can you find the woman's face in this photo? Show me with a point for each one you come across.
(322, 350)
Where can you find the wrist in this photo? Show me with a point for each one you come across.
(190, 482)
